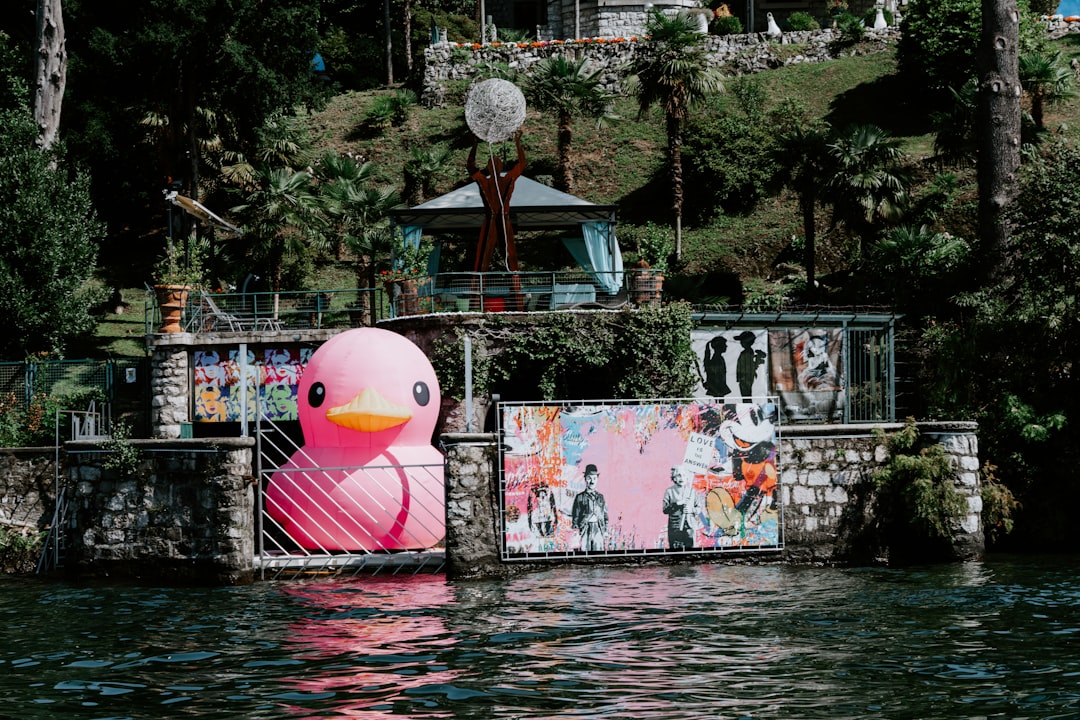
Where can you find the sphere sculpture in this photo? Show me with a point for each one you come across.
(494, 110)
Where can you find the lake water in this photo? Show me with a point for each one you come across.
(999, 638)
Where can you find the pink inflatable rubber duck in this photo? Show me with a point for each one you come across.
(367, 477)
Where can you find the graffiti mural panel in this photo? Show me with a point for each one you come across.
(639, 478)
(731, 364)
(271, 377)
(806, 366)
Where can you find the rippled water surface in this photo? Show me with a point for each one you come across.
(999, 638)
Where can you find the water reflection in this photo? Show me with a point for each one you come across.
(994, 639)
(367, 644)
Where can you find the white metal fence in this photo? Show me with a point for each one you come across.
(320, 516)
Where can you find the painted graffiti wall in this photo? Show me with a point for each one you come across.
(802, 366)
(639, 478)
(272, 377)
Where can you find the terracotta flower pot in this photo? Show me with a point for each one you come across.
(171, 299)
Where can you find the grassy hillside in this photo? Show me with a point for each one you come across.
(731, 257)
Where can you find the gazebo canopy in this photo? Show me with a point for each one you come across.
(589, 229)
(533, 206)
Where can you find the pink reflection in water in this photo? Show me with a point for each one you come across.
(376, 639)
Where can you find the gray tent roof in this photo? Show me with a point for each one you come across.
(532, 206)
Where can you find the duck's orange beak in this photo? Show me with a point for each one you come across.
(369, 412)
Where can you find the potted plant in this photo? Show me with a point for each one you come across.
(178, 272)
(654, 246)
(402, 279)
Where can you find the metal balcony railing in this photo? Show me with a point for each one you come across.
(210, 312)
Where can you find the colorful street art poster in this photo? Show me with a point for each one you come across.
(807, 373)
(271, 376)
(636, 479)
(731, 364)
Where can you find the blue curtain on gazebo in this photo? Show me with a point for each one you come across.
(598, 253)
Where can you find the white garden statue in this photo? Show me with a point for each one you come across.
(879, 19)
(774, 29)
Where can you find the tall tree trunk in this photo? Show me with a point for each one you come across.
(389, 44)
(999, 129)
(807, 200)
(408, 36)
(674, 136)
(50, 71)
(564, 175)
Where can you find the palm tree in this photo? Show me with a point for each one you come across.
(673, 71)
(284, 218)
(422, 170)
(867, 183)
(955, 139)
(1046, 81)
(568, 90)
(805, 162)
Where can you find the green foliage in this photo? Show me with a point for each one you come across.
(760, 295)
(389, 111)
(640, 354)
(726, 25)
(851, 29)
(652, 244)
(936, 49)
(998, 505)
(20, 549)
(123, 456)
(27, 426)
(183, 263)
(867, 184)
(954, 126)
(912, 265)
(1047, 81)
(210, 74)
(732, 159)
(916, 488)
(48, 244)
(801, 20)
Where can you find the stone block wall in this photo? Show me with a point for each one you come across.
(826, 493)
(186, 515)
(27, 487)
(734, 54)
(826, 489)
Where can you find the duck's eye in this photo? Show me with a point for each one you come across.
(316, 395)
(421, 394)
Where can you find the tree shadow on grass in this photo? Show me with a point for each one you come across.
(889, 103)
(651, 201)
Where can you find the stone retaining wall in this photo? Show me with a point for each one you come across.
(27, 487)
(826, 489)
(187, 515)
(734, 54)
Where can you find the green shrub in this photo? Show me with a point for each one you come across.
(20, 549)
(851, 29)
(652, 244)
(802, 21)
(917, 495)
(728, 25)
(22, 426)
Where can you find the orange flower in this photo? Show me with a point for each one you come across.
(476, 46)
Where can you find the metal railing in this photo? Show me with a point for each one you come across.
(344, 520)
(205, 312)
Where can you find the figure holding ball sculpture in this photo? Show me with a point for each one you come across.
(494, 112)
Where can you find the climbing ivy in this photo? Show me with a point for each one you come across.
(916, 490)
(632, 353)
